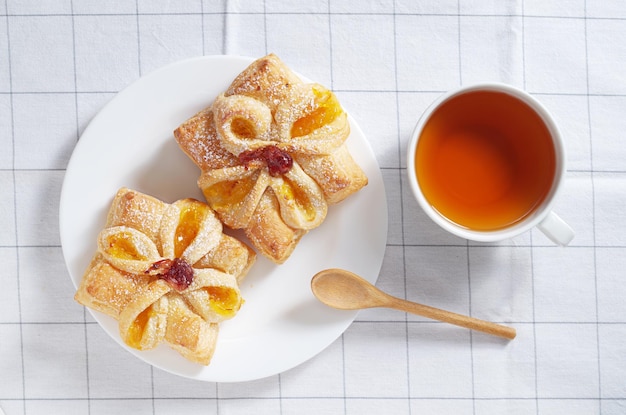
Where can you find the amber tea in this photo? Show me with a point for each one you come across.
(485, 160)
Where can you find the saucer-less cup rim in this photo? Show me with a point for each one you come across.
(538, 215)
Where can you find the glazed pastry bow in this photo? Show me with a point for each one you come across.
(269, 146)
(188, 231)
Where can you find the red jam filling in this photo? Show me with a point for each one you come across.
(278, 161)
(176, 272)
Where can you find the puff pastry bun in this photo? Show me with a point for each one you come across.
(272, 155)
(167, 273)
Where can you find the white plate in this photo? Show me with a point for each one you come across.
(130, 143)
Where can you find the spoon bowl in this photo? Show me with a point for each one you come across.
(344, 290)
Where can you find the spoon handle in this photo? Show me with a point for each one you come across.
(452, 318)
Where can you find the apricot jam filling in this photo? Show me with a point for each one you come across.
(328, 109)
(242, 128)
(229, 192)
(135, 333)
(290, 191)
(191, 217)
(120, 245)
(224, 301)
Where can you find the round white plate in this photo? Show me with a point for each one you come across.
(130, 144)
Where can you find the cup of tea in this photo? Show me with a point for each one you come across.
(486, 162)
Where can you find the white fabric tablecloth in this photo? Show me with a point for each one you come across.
(62, 61)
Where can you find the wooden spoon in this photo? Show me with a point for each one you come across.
(344, 290)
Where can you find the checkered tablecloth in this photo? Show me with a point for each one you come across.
(62, 61)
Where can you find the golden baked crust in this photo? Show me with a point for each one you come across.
(272, 155)
(166, 272)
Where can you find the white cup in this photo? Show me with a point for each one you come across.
(441, 116)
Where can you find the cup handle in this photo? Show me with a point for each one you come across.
(556, 229)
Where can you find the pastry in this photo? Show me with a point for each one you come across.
(167, 273)
(272, 155)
